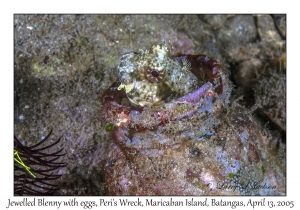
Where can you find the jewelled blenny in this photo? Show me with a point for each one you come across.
(151, 77)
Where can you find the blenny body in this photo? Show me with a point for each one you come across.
(163, 88)
(152, 76)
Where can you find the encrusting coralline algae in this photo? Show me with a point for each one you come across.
(174, 132)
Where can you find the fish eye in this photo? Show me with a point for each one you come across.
(155, 75)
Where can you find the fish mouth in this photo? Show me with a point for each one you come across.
(127, 88)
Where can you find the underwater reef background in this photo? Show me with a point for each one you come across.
(63, 64)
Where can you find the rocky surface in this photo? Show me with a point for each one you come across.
(266, 28)
(63, 63)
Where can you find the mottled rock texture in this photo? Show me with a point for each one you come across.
(63, 63)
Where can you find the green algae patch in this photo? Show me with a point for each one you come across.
(109, 127)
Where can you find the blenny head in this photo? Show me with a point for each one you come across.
(152, 77)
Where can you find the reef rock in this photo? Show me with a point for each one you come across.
(183, 136)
